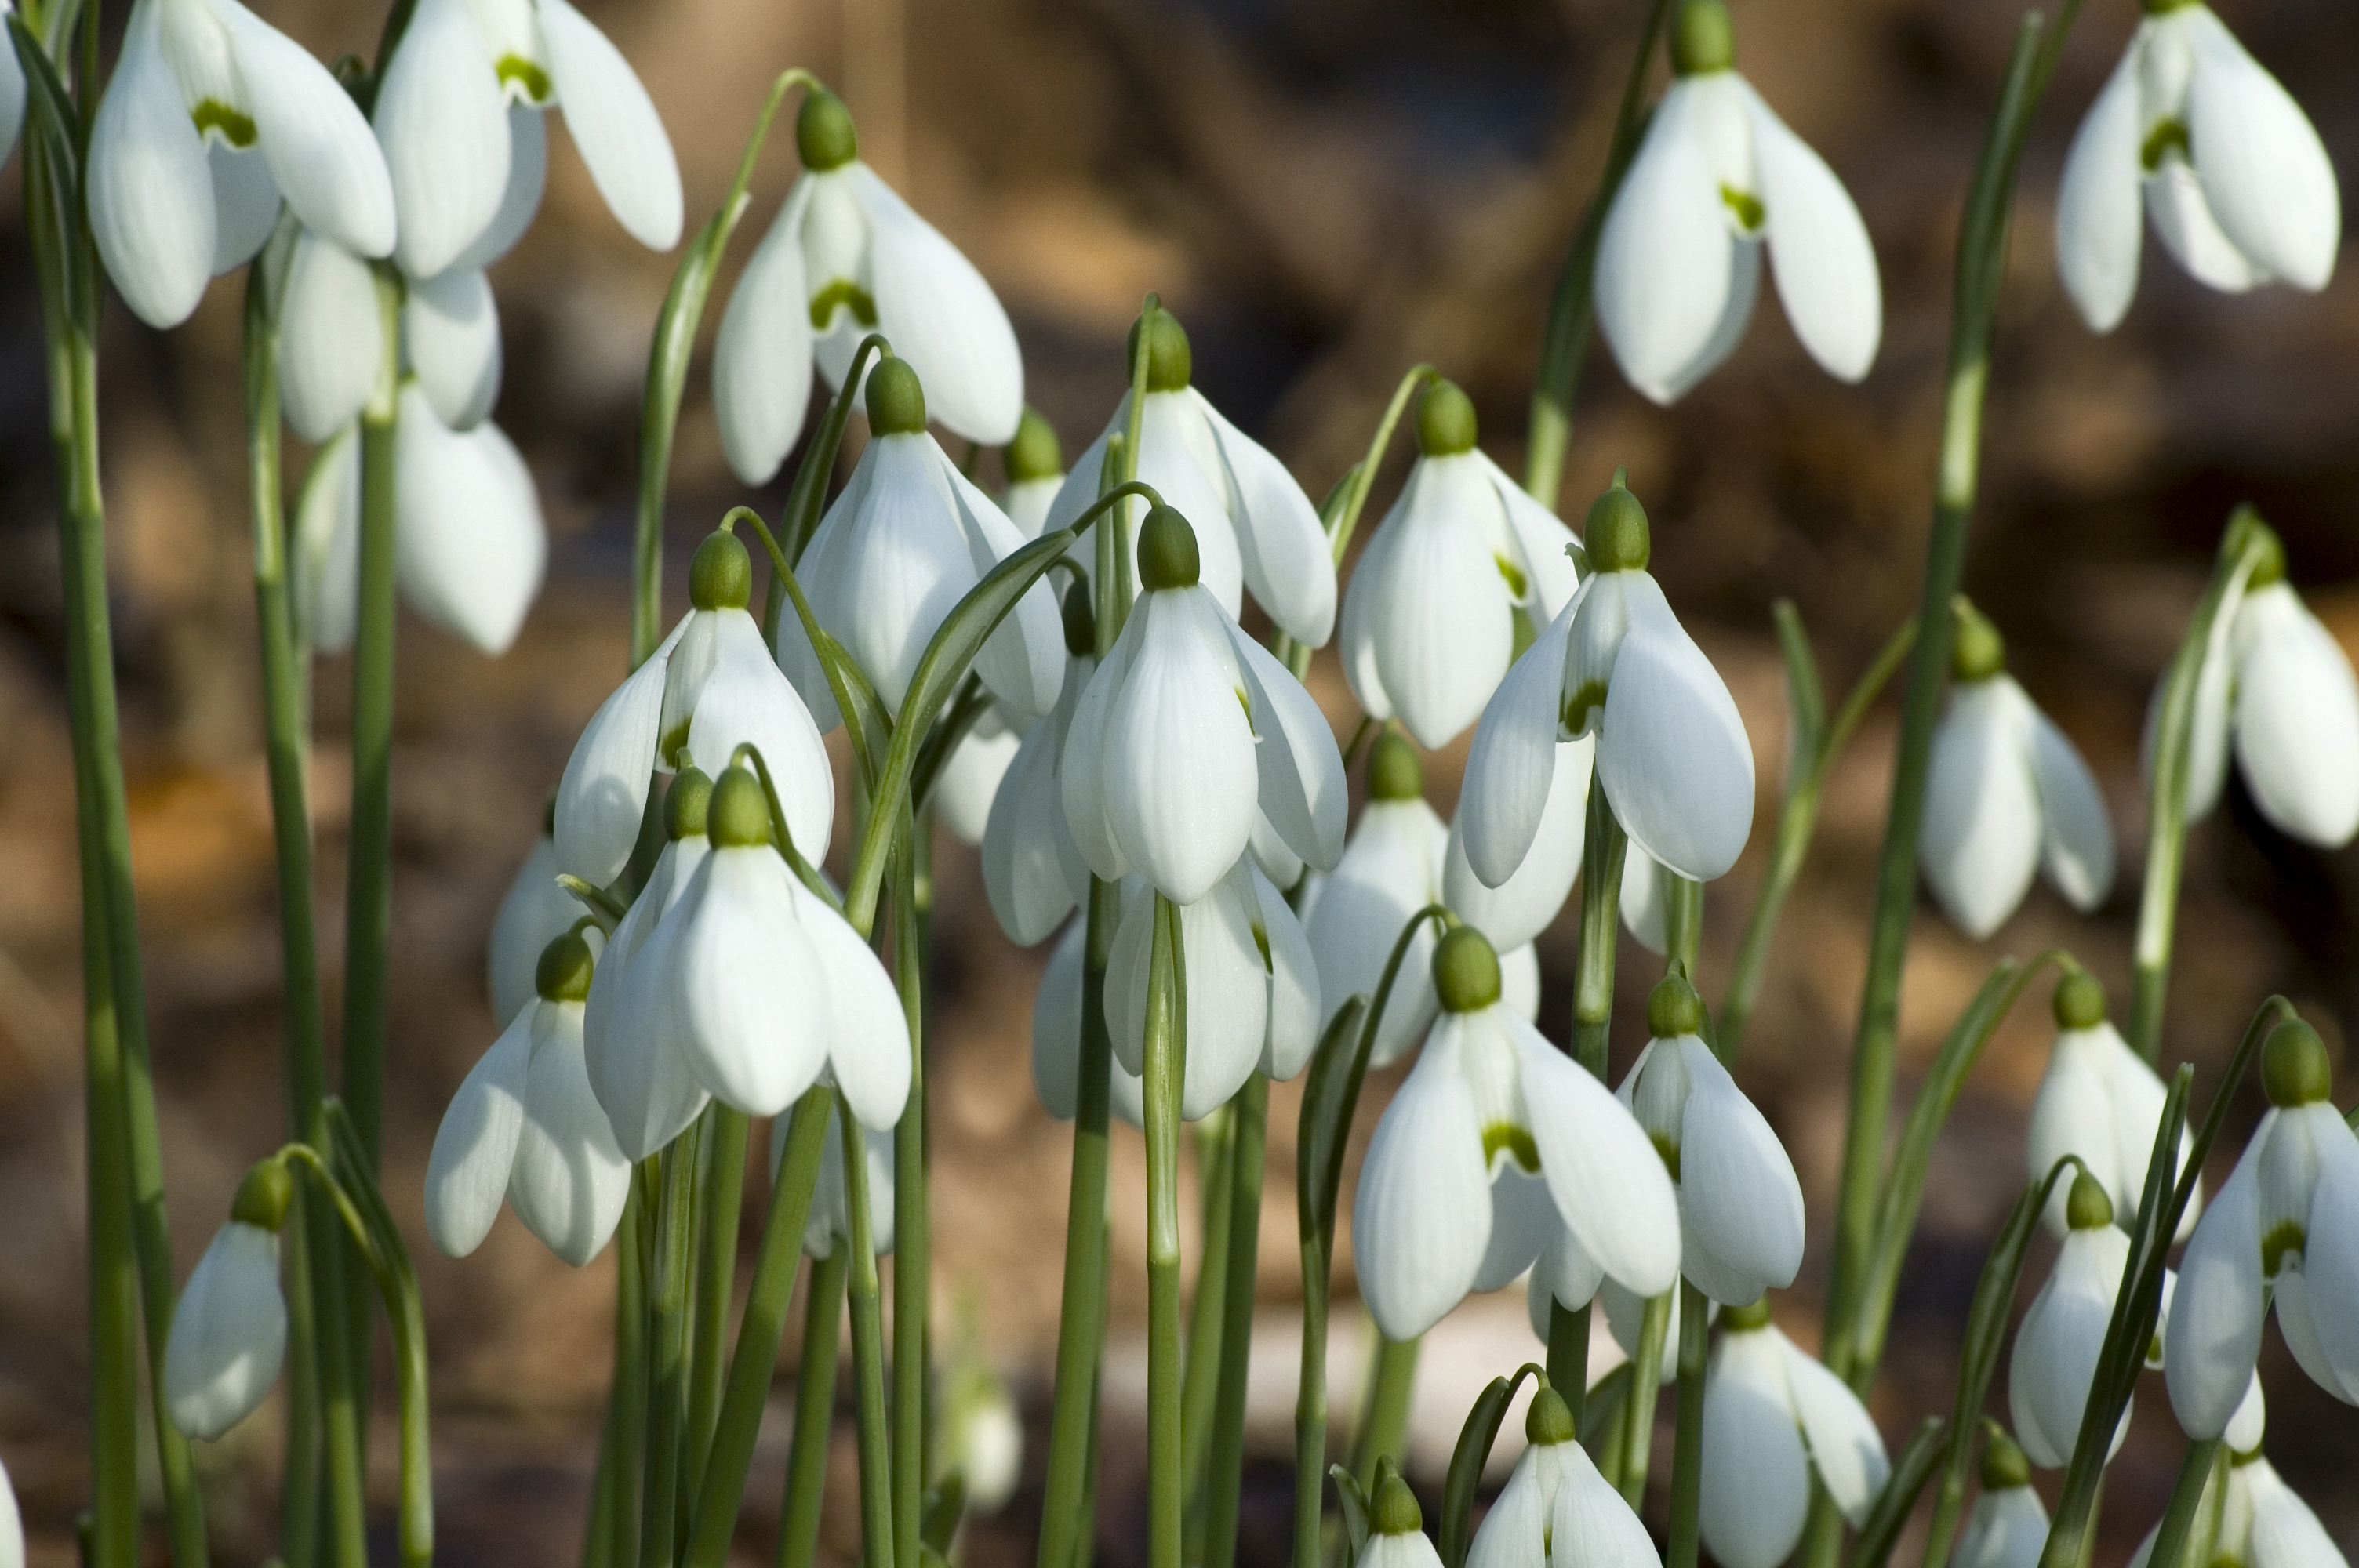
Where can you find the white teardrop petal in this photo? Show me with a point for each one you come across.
(602, 794)
(151, 199)
(1609, 1182)
(474, 1147)
(1979, 837)
(1739, 1197)
(442, 123)
(1282, 548)
(2215, 1332)
(2265, 173)
(746, 701)
(940, 315)
(470, 545)
(2296, 725)
(1511, 768)
(1672, 756)
(1180, 757)
(2076, 835)
(571, 1179)
(867, 1028)
(2097, 205)
(615, 123)
(520, 200)
(1665, 258)
(746, 979)
(1819, 248)
(331, 338)
(533, 913)
(1594, 1528)
(1755, 1483)
(1421, 1216)
(245, 204)
(1845, 1448)
(452, 327)
(229, 1333)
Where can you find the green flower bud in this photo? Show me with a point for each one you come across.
(1674, 1008)
(1753, 1314)
(2004, 1464)
(721, 575)
(1394, 1510)
(897, 403)
(1170, 364)
(1979, 653)
(262, 1198)
(1445, 420)
(1550, 1419)
(1394, 772)
(1465, 970)
(1036, 453)
(2089, 1207)
(1703, 38)
(823, 133)
(1615, 533)
(2080, 1000)
(1080, 621)
(685, 806)
(1167, 550)
(2294, 1068)
(737, 817)
(564, 971)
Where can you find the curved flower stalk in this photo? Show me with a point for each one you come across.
(1036, 472)
(2263, 1522)
(533, 913)
(631, 1030)
(470, 545)
(2232, 176)
(1258, 532)
(458, 113)
(830, 1224)
(1188, 732)
(229, 1330)
(2057, 1346)
(1033, 872)
(1773, 1417)
(526, 1126)
(2283, 1231)
(845, 257)
(332, 341)
(909, 538)
(1718, 180)
(2007, 795)
(1671, 751)
(709, 688)
(1556, 1510)
(2101, 1104)
(1495, 1141)
(1432, 614)
(1740, 1202)
(2008, 1525)
(211, 118)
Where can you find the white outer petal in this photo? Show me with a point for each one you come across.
(1516, 911)
(1755, 1482)
(2296, 719)
(1295, 1011)
(2006, 1529)
(330, 338)
(1081, 773)
(474, 1147)
(2286, 1533)
(1672, 754)
(2097, 231)
(1819, 248)
(1389, 870)
(631, 1024)
(442, 123)
(1282, 548)
(1665, 261)
(533, 913)
(229, 1333)
(1740, 1202)
(1514, 1532)
(471, 546)
(1023, 862)
(520, 198)
(1645, 900)
(570, 1178)
(940, 315)
(615, 123)
(321, 154)
(762, 353)
(1056, 1025)
(1523, 1218)
(2072, 1113)
(1181, 760)
(1845, 1448)
(2182, 220)
(1227, 998)
(1178, 458)
(602, 794)
(1594, 1528)
(1544, 541)
(1421, 1216)
(747, 975)
(1511, 767)
(2215, 1332)
(745, 700)
(1979, 837)
(1023, 660)
(2076, 835)
(2265, 173)
(1609, 1182)
(246, 205)
(451, 325)
(1428, 615)
(867, 1030)
(2330, 1262)
(151, 193)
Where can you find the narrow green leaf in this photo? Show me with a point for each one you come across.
(1910, 1470)
(1805, 695)
(1601, 1414)
(1354, 1501)
(942, 741)
(945, 1503)
(1329, 1091)
(51, 99)
(1466, 1462)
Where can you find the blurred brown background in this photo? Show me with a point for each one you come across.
(1326, 190)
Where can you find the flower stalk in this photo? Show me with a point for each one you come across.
(867, 1347)
(1687, 1453)
(1166, 1041)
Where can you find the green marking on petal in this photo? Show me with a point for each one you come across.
(1261, 941)
(1575, 713)
(522, 76)
(1669, 1149)
(675, 742)
(214, 117)
(1517, 584)
(1507, 1135)
(842, 294)
(1747, 208)
(2283, 1243)
(2166, 137)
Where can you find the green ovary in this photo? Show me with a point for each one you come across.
(846, 294)
(216, 118)
(1516, 1140)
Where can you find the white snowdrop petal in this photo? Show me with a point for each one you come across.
(1594, 1528)
(1646, 901)
(1979, 837)
(1665, 258)
(324, 578)
(11, 1522)
(245, 204)
(471, 545)
(1609, 1182)
(2265, 173)
(1845, 1448)
(1519, 982)
(1023, 661)
(520, 198)
(1227, 996)
(632, 1023)
(533, 913)
(890, 563)
(1178, 458)
(451, 325)
(1081, 773)
(1295, 995)
(1738, 1194)
(1517, 910)
(1366, 620)
(12, 124)
(1421, 1215)
(940, 315)
(571, 1179)
(330, 339)
(2215, 1332)
(474, 1147)
(442, 123)
(1180, 757)
(1755, 1483)
(2076, 835)
(1511, 767)
(2097, 229)
(1735, 315)
(746, 977)
(2072, 1113)
(2006, 1529)
(2286, 1533)
(762, 353)
(151, 197)
(2296, 719)
(1819, 248)
(2298, 1323)
(615, 123)
(2251, 1420)
(868, 1028)
(2330, 1262)
(1672, 754)
(969, 782)
(1523, 1218)
(1626, 1318)
(1438, 626)
(229, 1333)
(322, 152)
(1544, 541)
(2181, 215)
(745, 701)
(1023, 865)
(1056, 1025)
(1414, 1550)
(1513, 1531)
(1566, 1273)
(2138, 1097)
(2055, 1357)
(1282, 548)
(602, 794)
(1386, 874)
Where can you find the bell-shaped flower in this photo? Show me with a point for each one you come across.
(1057, 1039)
(1391, 869)
(847, 256)
(451, 113)
(526, 1126)
(533, 913)
(229, 1329)
(332, 341)
(2007, 1527)
(1395, 1526)
(1671, 751)
(1036, 472)
(1253, 988)
(1256, 532)
(2007, 795)
(1556, 1510)
(211, 117)
(1496, 1139)
(1033, 872)
(969, 778)
(710, 688)
(830, 1224)
(1718, 178)
(1772, 1417)
(909, 538)
(2232, 177)
(1462, 559)
(2101, 1103)
(2057, 1343)
(1740, 1202)
(630, 1029)
(1187, 731)
(2262, 1523)
(2283, 1231)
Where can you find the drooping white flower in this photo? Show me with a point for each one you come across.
(847, 256)
(907, 540)
(830, 1224)
(229, 1327)
(2057, 1345)
(1036, 472)
(710, 688)
(1671, 750)
(533, 913)
(457, 115)
(1396, 1527)
(2262, 1523)
(1033, 872)
(212, 116)
(332, 339)
(2101, 1103)
(1556, 1510)
(1772, 1416)
(1187, 731)
(1517, 910)
(1495, 1141)
(1256, 532)
(2007, 1527)
(2283, 1231)
(2232, 177)
(1430, 616)
(1719, 179)
(1740, 1202)
(2007, 795)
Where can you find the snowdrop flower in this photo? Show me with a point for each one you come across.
(1396, 1526)
(1258, 534)
(1562, 1267)
(1740, 1202)
(1036, 472)
(2278, 689)
(2006, 795)
(1253, 986)
(630, 1028)
(1718, 178)
(1033, 872)
(2234, 180)
(1517, 910)
(1556, 1510)
(830, 1224)
(1495, 1141)
(2263, 1522)
(1772, 1416)
(970, 780)
(710, 688)
(332, 339)
(2101, 1104)
(526, 1126)
(2007, 1527)
(533, 913)
(470, 545)
(1430, 618)
(845, 257)
(2283, 1230)
(1671, 750)
(458, 115)
(909, 538)
(211, 117)
(1187, 730)
(2057, 1345)
(229, 1329)
(1057, 1039)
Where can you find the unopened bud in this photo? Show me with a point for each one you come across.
(2003, 1463)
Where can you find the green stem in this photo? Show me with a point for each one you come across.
(1638, 1414)
(2195, 1471)
(867, 1349)
(814, 1411)
(1310, 1409)
(1600, 927)
(299, 1488)
(1249, 1141)
(1201, 1385)
(1384, 1409)
(1687, 1451)
(724, 1195)
(1568, 1354)
(628, 1397)
(912, 1239)
(1165, 1071)
(1682, 920)
(668, 1370)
